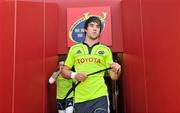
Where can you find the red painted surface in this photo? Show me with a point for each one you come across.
(29, 58)
(51, 37)
(6, 55)
(133, 67)
(151, 59)
(28, 47)
(161, 24)
(150, 32)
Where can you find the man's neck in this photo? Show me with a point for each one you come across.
(91, 42)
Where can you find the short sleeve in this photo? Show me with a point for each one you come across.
(70, 58)
(108, 58)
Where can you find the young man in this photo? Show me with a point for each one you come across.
(62, 87)
(91, 95)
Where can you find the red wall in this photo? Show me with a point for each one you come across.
(6, 55)
(33, 33)
(30, 32)
(28, 49)
(151, 57)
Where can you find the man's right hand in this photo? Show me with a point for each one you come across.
(80, 76)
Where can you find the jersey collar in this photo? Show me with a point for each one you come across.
(90, 48)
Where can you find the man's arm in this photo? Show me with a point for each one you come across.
(54, 76)
(115, 71)
(68, 74)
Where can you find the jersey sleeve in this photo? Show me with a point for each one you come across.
(109, 58)
(70, 58)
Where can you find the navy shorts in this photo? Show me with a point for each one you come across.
(63, 104)
(98, 105)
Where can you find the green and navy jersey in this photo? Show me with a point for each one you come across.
(62, 87)
(88, 60)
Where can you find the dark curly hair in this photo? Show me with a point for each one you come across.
(93, 19)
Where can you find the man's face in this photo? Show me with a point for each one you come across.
(93, 30)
